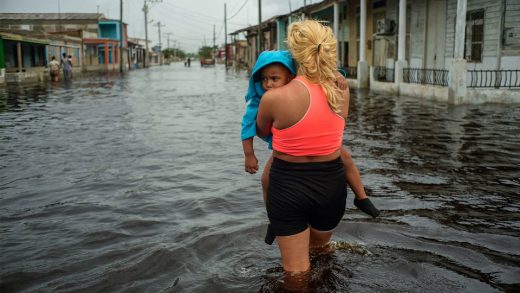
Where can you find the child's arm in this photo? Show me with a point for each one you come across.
(247, 134)
(251, 162)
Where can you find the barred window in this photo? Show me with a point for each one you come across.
(474, 43)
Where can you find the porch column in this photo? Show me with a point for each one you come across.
(336, 30)
(106, 52)
(457, 83)
(401, 58)
(117, 52)
(278, 37)
(362, 70)
(2, 62)
(19, 55)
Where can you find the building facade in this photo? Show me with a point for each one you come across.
(93, 42)
(459, 51)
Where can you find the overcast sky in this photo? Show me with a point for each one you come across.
(190, 22)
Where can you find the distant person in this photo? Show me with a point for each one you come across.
(69, 58)
(66, 66)
(189, 61)
(274, 69)
(54, 67)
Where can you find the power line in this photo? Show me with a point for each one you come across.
(240, 9)
(210, 19)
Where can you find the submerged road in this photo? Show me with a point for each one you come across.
(136, 183)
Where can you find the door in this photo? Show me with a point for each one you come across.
(435, 34)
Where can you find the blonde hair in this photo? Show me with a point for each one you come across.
(313, 47)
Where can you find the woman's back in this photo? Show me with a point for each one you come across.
(316, 132)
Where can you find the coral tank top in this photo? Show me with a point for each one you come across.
(318, 133)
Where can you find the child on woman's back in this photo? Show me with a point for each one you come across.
(275, 69)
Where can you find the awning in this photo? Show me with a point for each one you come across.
(15, 37)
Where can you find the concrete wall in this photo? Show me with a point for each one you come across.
(352, 83)
(481, 96)
(102, 67)
(437, 93)
(2, 76)
(37, 74)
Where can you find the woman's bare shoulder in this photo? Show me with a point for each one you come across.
(291, 89)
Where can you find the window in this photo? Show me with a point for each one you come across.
(474, 36)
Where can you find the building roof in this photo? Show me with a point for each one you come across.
(23, 38)
(51, 16)
(303, 9)
(35, 36)
(249, 28)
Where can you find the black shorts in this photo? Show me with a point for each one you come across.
(305, 194)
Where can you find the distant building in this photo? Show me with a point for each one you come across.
(23, 58)
(137, 52)
(93, 41)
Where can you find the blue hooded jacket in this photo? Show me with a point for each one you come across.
(255, 90)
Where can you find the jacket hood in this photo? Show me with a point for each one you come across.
(255, 89)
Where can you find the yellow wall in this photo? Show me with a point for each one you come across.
(352, 22)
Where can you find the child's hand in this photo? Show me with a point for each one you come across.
(251, 164)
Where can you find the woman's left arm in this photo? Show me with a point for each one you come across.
(264, 118)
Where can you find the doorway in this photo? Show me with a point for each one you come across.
(435, 34)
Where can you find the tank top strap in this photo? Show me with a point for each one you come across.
(303, 80)
(312, 88)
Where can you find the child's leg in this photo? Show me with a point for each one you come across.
(361, 201)
(269, 237)
(352, 175)
(265, 178)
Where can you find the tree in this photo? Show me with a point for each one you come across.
(168, 53)
(206, 52)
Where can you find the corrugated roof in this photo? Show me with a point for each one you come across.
(309, 8)
(51, 16)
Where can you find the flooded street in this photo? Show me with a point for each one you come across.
(136, 184)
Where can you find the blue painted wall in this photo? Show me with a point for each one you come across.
(109, 29)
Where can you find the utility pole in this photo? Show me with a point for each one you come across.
(225, 36)
(259, 27)
(159, 25)
(213, 49)
(145, 10)
(168, 42)
(121, 37)
(174, 50)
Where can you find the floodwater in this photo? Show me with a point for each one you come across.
(136, 184)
